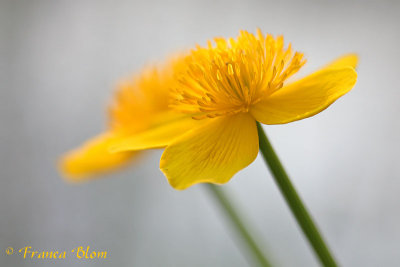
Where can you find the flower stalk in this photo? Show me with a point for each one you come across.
(244, 236)
(294, 202)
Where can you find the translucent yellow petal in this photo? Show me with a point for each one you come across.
(305, 97)
(166, 128)
(349, 60)
(212, 153)
(92, 158)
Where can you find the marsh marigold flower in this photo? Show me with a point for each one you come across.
(226, 87)
(136, 104)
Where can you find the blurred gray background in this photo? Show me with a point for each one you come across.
(59, 63)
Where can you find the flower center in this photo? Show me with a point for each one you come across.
(231, 76)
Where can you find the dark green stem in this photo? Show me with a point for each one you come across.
(297, 207)
(238, 225)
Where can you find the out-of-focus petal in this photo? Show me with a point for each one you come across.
(166, 128)
(93, 157)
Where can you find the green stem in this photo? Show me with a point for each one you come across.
(238, 224)
(293, 200)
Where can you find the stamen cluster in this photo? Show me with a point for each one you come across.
(232, 75)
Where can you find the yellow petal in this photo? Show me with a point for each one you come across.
(305, 97)
(212, 153)
(92, 158)
(166, 128)
(349, 60)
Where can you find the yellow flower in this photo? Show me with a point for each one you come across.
(226, 88)
(136, 105)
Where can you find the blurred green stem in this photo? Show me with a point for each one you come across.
(238, 225)
(297, 207)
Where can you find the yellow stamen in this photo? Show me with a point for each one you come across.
(232, 75)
